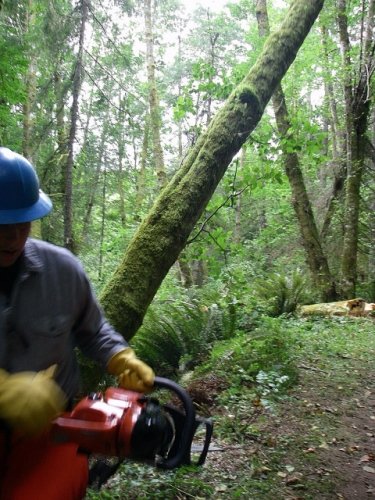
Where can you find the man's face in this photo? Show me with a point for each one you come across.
(12, 240)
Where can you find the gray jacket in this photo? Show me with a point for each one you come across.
(52, 311)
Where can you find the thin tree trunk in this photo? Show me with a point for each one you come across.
(316, 258)
(142, 170)
(164, 232)
(30, 90)
(184, 264)
(371, 259)
(186, 276)
(154, 99)
(338, 142)
(77, 82)
(213, 40)
(329, 97)
(237, 225)
(199, 272)
(101, 241)
(62, 136)
(357, 106)
(179, 123)
(95, 182)
(121, 155)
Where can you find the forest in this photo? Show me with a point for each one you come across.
(210, 164)
(110, 101)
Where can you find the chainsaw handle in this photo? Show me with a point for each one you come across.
(189, 427)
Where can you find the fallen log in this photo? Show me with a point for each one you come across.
(354, 307)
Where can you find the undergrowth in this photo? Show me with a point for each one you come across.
(260, 369)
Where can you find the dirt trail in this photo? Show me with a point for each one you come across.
(319, 444)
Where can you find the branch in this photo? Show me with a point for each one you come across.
(204, 223)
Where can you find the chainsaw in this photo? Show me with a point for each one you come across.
(129, 425)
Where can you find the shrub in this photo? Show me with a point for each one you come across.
(279, 294)
(178, 334)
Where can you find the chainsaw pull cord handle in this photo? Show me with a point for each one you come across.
(189, 428)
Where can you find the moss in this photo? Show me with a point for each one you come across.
(164, 233)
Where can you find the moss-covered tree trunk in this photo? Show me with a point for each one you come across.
(164, 232)
(316, 259)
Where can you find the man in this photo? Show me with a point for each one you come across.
(47, 309)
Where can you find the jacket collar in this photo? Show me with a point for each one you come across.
(31, 256)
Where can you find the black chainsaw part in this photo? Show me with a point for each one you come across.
(101, 471)
(153, 433)
(186, 425)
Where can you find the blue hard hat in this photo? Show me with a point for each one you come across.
(21, 200)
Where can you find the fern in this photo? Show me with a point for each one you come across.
(280, 294)
(179, 334)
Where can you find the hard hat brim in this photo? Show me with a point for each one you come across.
(41, 208)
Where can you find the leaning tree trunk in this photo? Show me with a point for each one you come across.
(163, 233)
(316, 258)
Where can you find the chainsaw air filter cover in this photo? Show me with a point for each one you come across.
(153, 432)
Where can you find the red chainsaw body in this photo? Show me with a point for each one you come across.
(101, 423)
(127, 424)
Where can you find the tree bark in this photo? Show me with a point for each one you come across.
(163, 234)
(30, 90)
(95, 181)
(237, 224)
(68, 210)
(154, 99)
(101, 241)
(121, 156)
(371, 258)
(337, 140)
(316, 258)
(142, 170)
(62, 136)
(357, 107)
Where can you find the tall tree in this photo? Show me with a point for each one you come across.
(316, 258)
(154, 97)
(337, 139)
(30, 85)
(357, 92)
(77, 83)
(14, 64)
(163, 234)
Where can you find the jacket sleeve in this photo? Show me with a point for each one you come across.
(92, 333)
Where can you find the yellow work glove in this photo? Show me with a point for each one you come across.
(133, 374)
(29, 401)
(3, 375)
